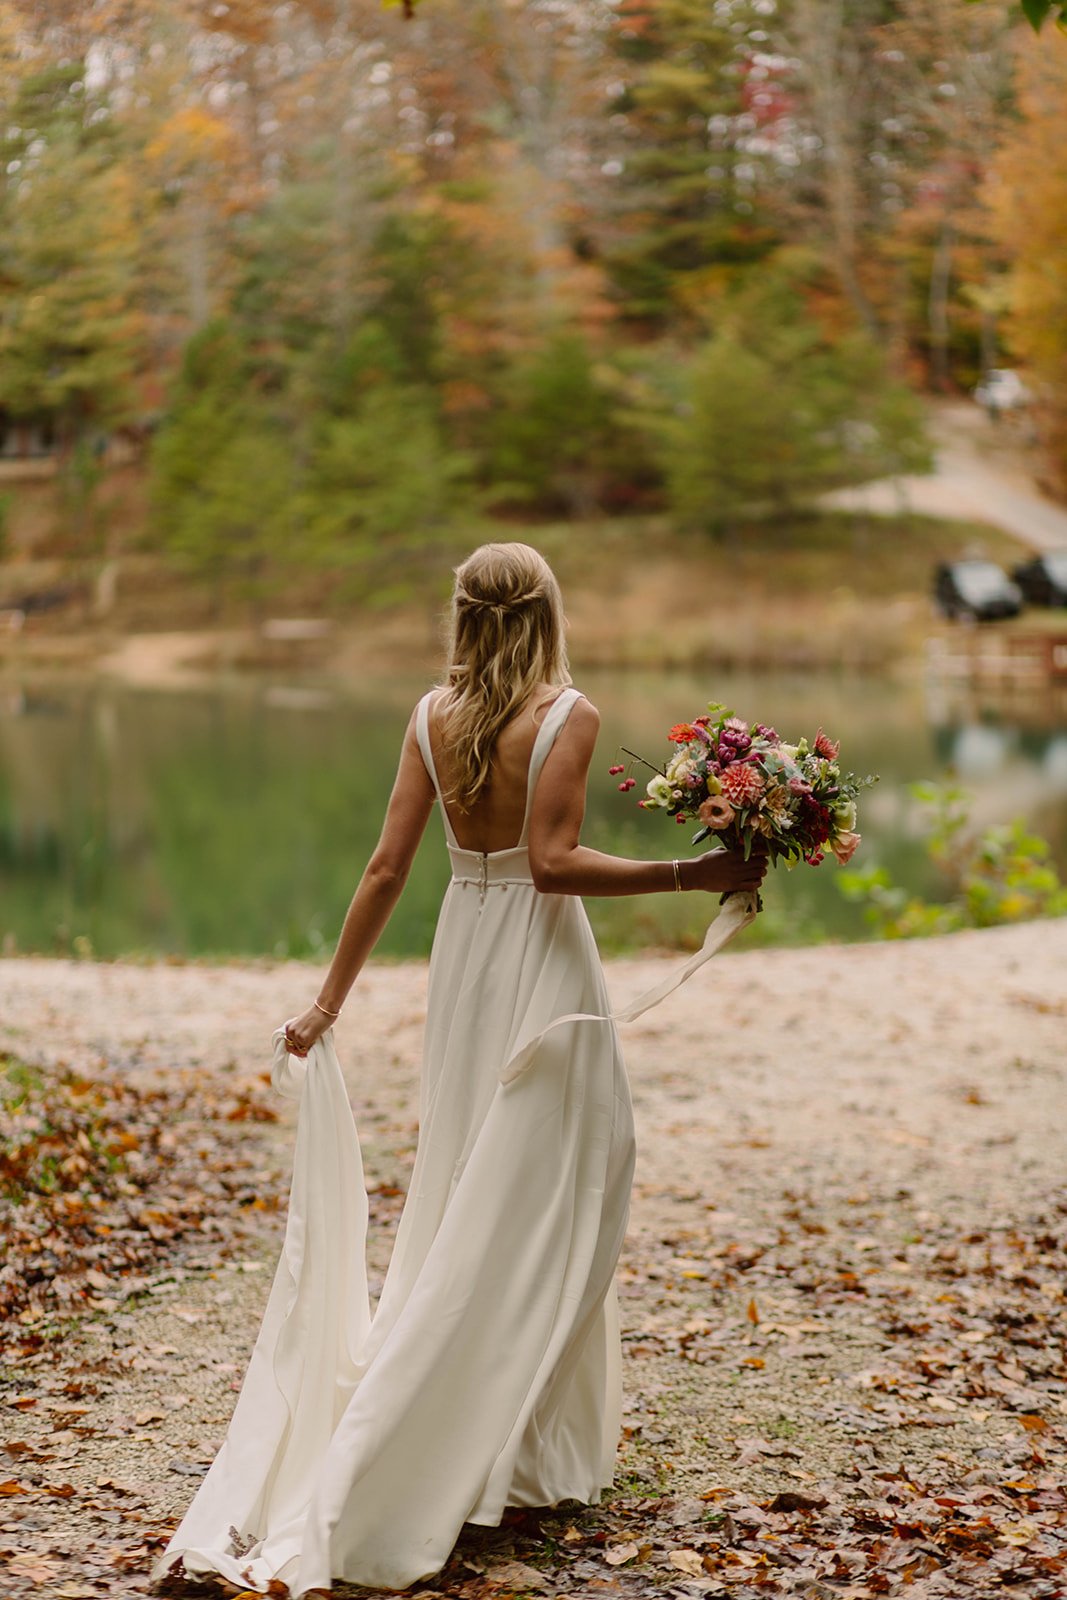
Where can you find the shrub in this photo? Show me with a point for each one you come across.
(995, 875)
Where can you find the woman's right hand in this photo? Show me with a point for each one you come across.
(723, 871)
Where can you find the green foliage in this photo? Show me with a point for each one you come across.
(70, 329)
(773, 411)
(220, 470)
(382, 472)
(1037, 12)
(996, 875)
(406, 267)
(552, 431)
(682, 209)
(262, 468)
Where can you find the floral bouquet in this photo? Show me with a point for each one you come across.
(742, 781)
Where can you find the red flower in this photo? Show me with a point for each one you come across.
(828, 748)
(682, 732)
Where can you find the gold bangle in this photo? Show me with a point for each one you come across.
(324, 1010)
(677, 876)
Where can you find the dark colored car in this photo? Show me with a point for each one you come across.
(1043, 581)
(977, 589)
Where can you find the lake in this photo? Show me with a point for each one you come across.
(235, 819)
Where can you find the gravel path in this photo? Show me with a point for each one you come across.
(824, 1135)
(977, 475)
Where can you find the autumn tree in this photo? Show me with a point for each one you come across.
(1027, 196)
(948, 66)
(69, 324)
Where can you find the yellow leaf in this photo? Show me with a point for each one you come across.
(688, 1561)
(1018, 1533)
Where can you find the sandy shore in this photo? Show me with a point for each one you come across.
(822, 1132)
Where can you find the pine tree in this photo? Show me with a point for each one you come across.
(687, 205)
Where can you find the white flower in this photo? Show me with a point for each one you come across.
(844, 815)
(658, 791)
(679, 769)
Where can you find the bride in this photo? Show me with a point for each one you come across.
(489, 1374)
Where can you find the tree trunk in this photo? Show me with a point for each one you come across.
(937, 307)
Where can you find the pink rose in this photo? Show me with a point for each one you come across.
(844, 846)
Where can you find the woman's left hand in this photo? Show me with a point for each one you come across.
(301, 1032)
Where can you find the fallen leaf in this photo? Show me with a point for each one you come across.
(690, 1561)
(517, 1575)
(186, 1314)
(1018, 1533)
(616, 1554)
(793, 1500)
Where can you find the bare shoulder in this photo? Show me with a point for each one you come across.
(579, 731)
(584, 715)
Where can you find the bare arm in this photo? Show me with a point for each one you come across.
(561, 865)
(378, 890)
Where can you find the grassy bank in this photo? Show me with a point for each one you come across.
(833, 589)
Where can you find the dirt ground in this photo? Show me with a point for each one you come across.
(842, 1287)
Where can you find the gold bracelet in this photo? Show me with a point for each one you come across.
(677, 876)
(324, 1010)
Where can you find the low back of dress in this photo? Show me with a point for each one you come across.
(553, 721)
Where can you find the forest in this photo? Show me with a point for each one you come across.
(336, 276)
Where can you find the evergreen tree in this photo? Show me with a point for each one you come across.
(775, 409)
(687, 204)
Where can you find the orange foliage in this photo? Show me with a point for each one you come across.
(1027, 196)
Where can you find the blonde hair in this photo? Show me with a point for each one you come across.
(505, 637)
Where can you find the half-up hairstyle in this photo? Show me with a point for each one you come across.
(505, 637)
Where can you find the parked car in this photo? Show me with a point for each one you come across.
(977, 589)
(1043, 581)
(1002, 390)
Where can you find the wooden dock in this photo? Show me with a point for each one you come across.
(982, 654)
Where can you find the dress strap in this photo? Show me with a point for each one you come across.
(422, 733)
(555, 717)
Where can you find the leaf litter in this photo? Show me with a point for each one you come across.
(844, 1367)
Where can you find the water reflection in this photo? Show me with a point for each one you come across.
(236, 817)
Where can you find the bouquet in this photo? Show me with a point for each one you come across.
(741, 781)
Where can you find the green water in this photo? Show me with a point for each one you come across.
(236, 819)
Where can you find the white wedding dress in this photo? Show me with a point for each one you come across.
(489, 1375)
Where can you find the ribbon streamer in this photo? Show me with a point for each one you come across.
(739, 910)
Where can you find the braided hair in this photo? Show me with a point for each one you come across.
(505, 637)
